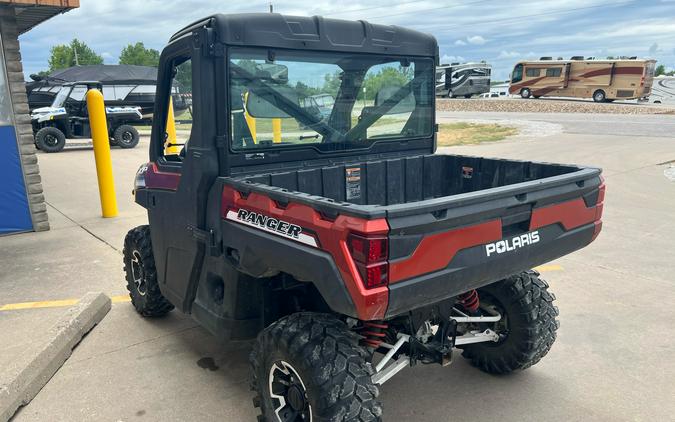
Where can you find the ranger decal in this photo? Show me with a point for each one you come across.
(271, 225)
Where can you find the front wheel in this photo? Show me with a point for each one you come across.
(141, 274)
(599, 96)
(126, 136)
(526, 93)
(310, 367)
(527, 329)
(50, 139)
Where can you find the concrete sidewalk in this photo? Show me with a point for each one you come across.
(613, 359)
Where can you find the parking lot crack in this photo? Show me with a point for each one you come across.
(129, 346)
(94, 235)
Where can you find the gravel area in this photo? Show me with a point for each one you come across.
(518, 105)
(526, 128)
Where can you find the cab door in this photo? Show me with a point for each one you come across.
(182, 170)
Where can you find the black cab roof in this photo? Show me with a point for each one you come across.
(274, 30)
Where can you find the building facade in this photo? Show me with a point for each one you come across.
(22, 202)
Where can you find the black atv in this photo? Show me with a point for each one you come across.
(67, 118)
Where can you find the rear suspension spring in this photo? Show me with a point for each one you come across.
(469, 300)
(373, 333)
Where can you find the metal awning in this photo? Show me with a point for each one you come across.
(30, 13)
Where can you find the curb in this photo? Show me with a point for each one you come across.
(22, 385)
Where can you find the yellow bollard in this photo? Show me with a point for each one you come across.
(99, 134)
(250, 120)
(276, 130)
(171, 132)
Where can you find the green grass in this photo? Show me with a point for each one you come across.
(462, 133)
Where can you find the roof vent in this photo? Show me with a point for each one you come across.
(590, 58)
(546, 58)
(633, 57)
(454, 64)
(577, 58)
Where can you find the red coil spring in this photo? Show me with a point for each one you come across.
(373, 333)
(469, 300)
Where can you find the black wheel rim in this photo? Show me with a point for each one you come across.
(137, 273)
(288, 394)
(51, 140)
(127, 137)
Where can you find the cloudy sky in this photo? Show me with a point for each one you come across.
(497, 31)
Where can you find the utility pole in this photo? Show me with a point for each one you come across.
(77, 62)
(271, 8)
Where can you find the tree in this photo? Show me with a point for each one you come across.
(660, 70)
(305, 90)
(387, 76)
(75, 53)
(139, 55)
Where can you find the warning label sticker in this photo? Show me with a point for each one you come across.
(353, 182)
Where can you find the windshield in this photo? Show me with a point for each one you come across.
(61, 97)
(328, 100)
(517, 74)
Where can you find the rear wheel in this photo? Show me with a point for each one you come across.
(50, 139)
(467, 95)
(141, 274)
(599, 96)
(126, 136)
(527, 329)
(310, 367)
(526, 93)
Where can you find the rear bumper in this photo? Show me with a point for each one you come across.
(472, 268)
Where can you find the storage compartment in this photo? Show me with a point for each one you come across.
(408, 179)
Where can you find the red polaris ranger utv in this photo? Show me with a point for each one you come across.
(339, 240)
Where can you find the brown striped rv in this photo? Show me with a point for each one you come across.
(602, 80)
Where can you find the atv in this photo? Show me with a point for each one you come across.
(68, 118)
(343, 245)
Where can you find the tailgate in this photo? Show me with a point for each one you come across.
(447, 246)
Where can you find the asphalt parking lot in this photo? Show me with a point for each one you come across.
(613, 359)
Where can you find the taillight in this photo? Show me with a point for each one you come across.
(139, 180)
(370, 255)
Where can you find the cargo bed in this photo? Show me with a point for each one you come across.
(411, 185)
(443, 211)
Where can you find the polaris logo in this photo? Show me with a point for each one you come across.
(271, 225)
(508, 245)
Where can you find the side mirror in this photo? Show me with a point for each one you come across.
(405, 105)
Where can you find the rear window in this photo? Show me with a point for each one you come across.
(327, 100)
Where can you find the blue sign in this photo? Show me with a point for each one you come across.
(14, 211)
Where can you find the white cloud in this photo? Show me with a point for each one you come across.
(452, 59)
(460, 42)
(476, 39)
(654, 49)
(508, 54)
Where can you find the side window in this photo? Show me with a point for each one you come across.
(179, 120)
(553, 72)
(532, 72)
(517, 73)
(78, 93)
